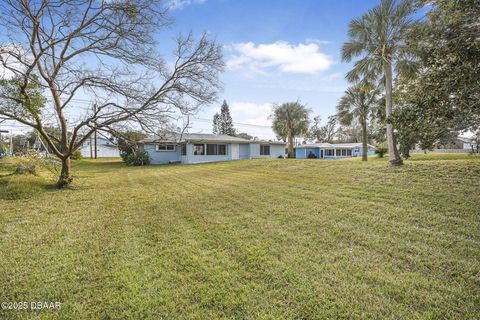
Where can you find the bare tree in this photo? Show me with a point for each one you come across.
(330, 129)
(105, 50)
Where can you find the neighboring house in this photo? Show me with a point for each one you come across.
(106, 148)
(197, 148)
(457, 143)
(469, 143)
(331, 151)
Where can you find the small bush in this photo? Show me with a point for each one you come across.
(29, 164)
(76, 155)
(138, 158)
(380, 151)
(30, 168)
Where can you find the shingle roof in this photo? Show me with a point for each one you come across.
(194, 137)
(315, 145)
(332, 145)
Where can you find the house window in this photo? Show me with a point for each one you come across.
(349, 153)
(199, 149)
(329, 153)
(165, 147)
(184, 149)
(216, 149)
(211, 149)
(222, 149)
(339, 153)
(264, 150)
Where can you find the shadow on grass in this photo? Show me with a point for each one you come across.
(444, 156)
(15, 186)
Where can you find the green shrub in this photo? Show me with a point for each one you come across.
(29, 164)
(76, 155)
(128, 142)
(380, 151)
(138, 158)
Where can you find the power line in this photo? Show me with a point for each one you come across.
(237, 123)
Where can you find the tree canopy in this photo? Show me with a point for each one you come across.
(223, 122)
(378, 39)
(290, 120)
(357, 104)
(444, 96)
(107, 50)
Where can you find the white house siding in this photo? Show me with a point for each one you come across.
(276, 150)
(235, 151)
(160, 157)
(106, 148)
(102, 151)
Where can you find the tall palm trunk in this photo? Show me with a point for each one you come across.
(393, 154)
(364, 138)
(290, 144)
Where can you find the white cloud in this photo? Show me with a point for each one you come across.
(317, 41)
(180, 4)
(280, 56)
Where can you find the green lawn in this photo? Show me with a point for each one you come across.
(256, 239)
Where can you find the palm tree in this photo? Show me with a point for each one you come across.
(357, 104)
(378, 38)
(290, 120)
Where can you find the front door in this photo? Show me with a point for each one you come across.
(244, 151)
(234, 147)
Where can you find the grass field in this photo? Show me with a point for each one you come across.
(256, 239)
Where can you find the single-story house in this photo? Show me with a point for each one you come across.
(106, 148)
(471, 143)
(201, 147)
(456, 143)
(331, 151)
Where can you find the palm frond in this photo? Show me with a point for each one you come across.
(352, 49)
(367, 68)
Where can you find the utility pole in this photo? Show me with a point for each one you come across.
(1, 140)
(11, 143)
(91, 148)
(95, 132)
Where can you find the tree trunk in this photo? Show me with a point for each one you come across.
(364, 139)
(290, 145)
(393, 155)
(65, 178)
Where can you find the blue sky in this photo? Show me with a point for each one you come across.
(276, 51)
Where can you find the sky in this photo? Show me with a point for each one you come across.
(275, 51)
